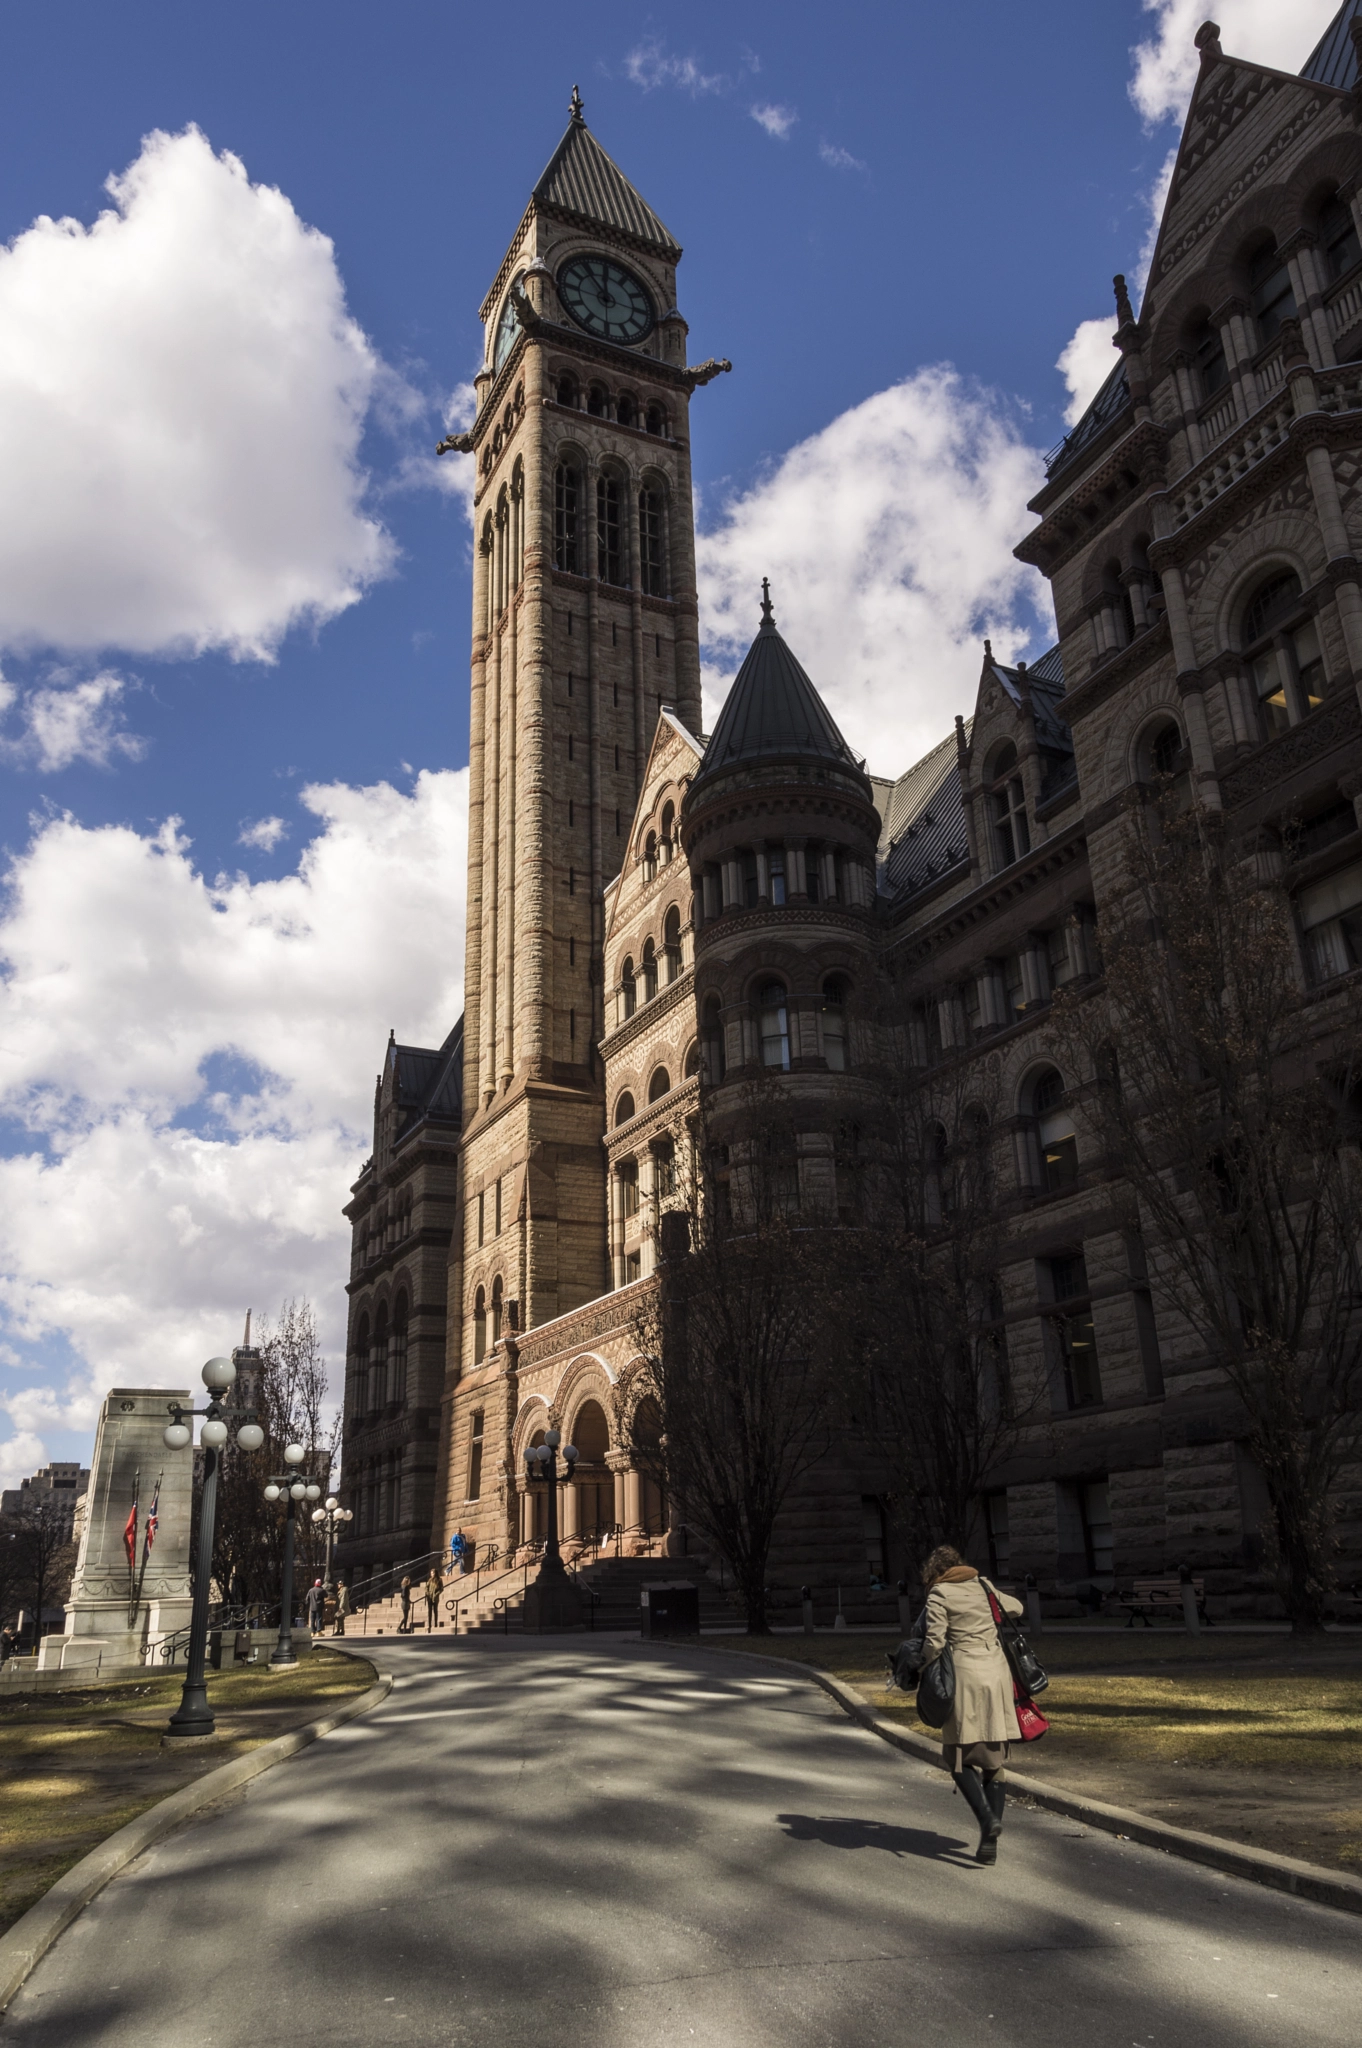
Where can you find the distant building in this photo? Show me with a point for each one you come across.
(61, 1485)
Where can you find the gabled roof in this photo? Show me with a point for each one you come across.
(428, 1082)
(583, 184)
(1334, 60)
(773, 712)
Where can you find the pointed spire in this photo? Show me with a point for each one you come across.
(246, 1340)
(988, 650)
(773, 711)
(577, 107)
(1125, 312)
(768, 617)
(580, 183)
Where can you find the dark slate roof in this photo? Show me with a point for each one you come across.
(933, 842)
(773, 712)
(582, 183)
(1110, 402)
(429, 1082)
(1334, 61)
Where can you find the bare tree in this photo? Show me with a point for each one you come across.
(42, 1556)
(1232, 1113)
(738, 1344)
(291, 1401)
(930, 1392)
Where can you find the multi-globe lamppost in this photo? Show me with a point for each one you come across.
(296, 1488)
(193, 1716)
(330, 1518)
(552, 1601)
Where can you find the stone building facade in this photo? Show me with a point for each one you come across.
(655, 915)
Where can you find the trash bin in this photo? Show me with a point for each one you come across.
(671, 1607)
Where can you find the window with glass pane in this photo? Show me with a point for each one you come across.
(1338, 233)
(775, 865)
(749, 880)
(628, 1179)
(999, 1536)
(1009, 822)
(1058, 1142)
(775, 1027)
(1271, 601)
(475, 1437)
(1270, 292)
(479, 1326)
(1069, 1277)
(1309, 665)
(1097, 1537)
(834, 1026)
(1078, 1346)
(1331, 918)
(1014, 989)
(1212, 368)
(1271, 692)
(566, 511)
(648, 968)
(650, 542)
(608, 557)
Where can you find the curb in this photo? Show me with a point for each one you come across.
(1258, 1866)
(34, 1932)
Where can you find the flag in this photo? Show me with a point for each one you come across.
(130, 1534)
(149, 1533)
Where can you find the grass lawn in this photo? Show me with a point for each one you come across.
(1254, 1737)
(76, 1765)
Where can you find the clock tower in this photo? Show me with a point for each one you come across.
(584, 626)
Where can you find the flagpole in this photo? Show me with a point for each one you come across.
(130, 1547)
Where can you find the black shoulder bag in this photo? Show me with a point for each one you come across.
(1022, 1660)
(936, 1690)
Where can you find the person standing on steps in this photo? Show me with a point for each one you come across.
(316, 1606)
(983, 1720)
(434, 1586)
(404, 1593)
(342, 1607)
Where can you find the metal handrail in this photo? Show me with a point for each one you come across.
(253, 1614)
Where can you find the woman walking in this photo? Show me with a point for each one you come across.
(983, 1720)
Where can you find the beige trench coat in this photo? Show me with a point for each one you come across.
(958, 1613)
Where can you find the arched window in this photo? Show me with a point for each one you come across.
(1118, 598)
(1208, 353)
(479, 1326)
(609, 559)
(361, 1396)
(626, 411)
(712, 1041)
(671, 943)
(1284, 659)
(691, 1064)
(650, 857)
(378, 1359)
(1338, 237)
(567, 391)
(497, 1306)
(1163, 749)
(597, 404)
(399, 1350)
(668, 833)
(1007, 801)
(1054, 1129)
(591, 1433)
(835, 1024)
(656, 420)
(567, 506)
(627, 1175)
(650, 543)
(775, 870)
(659, 1085)
(628, 989)
(664, 1168)
(648, 970)
(624, 1108)
(1270, 292)
(775, 1026)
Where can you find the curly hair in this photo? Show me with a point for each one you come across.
(942, 1559)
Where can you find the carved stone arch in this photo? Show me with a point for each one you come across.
(1329, 164)
(586, 1377)
(533, 1414)
(1137, 713)
(571, 450)
(1286, 539)
(633, 1384)
(1117, 545)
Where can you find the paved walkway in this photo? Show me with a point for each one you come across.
(578, 1844)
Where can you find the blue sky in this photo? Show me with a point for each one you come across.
(895, 218)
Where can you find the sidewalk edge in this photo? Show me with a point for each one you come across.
(1258, 1866)
(34, 1932)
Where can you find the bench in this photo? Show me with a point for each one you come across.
(1149, 1600)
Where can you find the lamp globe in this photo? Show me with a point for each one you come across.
(218, 1375)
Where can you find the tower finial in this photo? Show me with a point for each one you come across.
(246, 1340)
(768, 617)
(576, 106)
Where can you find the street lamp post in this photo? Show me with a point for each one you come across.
(330, 1519)
(194, 1716)
(552, 1602)
(296, 1488)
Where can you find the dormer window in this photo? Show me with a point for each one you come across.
(1270, 292)
(1007, 802)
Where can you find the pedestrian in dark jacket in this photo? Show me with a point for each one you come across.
(342, 1608)
(404, 1594)
(316, 1606)
(983, 1720)
(435, 1585)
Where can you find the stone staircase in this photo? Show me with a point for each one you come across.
(612, 1585)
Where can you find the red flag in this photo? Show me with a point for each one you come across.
(130, 1536)
(149, 1533)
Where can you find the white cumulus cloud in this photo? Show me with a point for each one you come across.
(65, 720)
(777, 121)
(888, 539)
(650, 64)
(182, 394)
(264, 834)
(1264, 31)
(193, 1059)
(1085, 363)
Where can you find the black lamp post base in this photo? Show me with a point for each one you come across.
(193, 1718)
(552, 1602)
(282, 1658)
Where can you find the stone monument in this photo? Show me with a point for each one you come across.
(117, 1606)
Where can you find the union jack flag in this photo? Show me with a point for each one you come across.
(149, 1533)
(130, 1534)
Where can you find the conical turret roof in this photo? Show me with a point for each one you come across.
(582, 183)
(773, 711)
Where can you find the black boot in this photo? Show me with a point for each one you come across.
(972, 1787)
(995, 1792)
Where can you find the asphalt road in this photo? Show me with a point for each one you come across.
(604, 1845)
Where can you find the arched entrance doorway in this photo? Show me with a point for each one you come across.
(650, 1515)
(595, 1484)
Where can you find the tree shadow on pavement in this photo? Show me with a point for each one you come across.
(869, 1834)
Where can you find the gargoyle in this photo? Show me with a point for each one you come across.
(524, 311)
(705, 373)
(456, 444)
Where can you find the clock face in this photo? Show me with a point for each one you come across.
(508, 327)
(605, 299)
